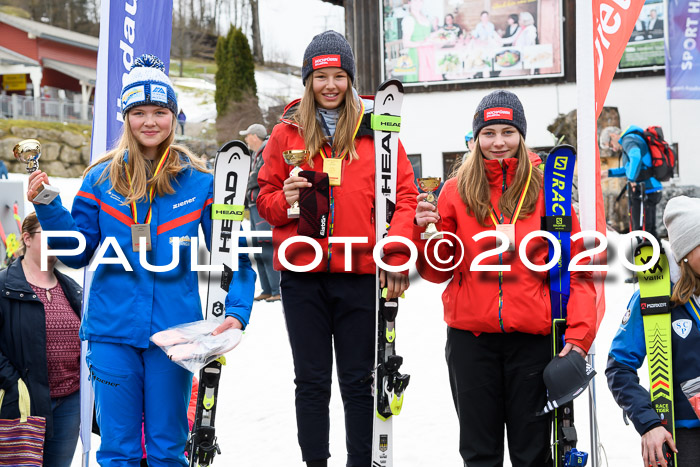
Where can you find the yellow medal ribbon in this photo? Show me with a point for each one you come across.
(514, 219)
(134, 212)
(357, 128)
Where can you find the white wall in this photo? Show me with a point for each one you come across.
(434, 123)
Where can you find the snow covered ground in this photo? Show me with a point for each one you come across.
(256, 418)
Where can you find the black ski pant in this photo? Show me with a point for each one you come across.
(648, 202)
(326, 312)
(496, 380)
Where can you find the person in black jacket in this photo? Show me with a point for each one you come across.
(40, 310)
(628, 350)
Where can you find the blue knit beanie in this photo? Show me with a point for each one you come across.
(147, 84)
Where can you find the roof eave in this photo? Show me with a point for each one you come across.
(62, 40)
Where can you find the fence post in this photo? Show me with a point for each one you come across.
(14, 106)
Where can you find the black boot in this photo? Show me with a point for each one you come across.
(320, 463)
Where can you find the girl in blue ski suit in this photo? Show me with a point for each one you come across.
(132, 377)
(628, 350)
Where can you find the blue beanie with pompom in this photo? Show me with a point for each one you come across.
(147, 84)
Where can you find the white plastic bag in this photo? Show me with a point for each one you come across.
(192, 346)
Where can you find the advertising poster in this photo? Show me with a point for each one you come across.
(683, 58)
(434, 41)
(646, 45)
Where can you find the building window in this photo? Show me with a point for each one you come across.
(450, 162)
(415, 160)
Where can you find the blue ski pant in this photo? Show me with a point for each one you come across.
(134, 386)
(326, 312)
(496, 382)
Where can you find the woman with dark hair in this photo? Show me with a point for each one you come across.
(39, 321)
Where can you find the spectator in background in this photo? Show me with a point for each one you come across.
(470, 142)
(645, 190)
(3, 170)
(181, 119)
(256, 139)
(39, 321)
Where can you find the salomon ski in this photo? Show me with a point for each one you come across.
(389, 384)
(654, 301)
(231, 171)
(558, 183)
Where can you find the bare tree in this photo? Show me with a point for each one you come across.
(255, 33)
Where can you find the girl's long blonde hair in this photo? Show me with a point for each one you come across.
(310, 128)
(687, 286)
(473, 186)
(141, 176)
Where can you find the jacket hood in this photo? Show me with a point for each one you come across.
(631, 129)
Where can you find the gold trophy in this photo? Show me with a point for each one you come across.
(295, 157)
(429, 185)
(29, 152)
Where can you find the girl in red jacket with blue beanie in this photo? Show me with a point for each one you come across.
(332, 307)
(499, 323)
(149, 188)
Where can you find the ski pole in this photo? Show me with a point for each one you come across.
(592, 411)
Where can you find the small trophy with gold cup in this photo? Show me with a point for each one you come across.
(28, 151)
(429, 185)
(295, 157)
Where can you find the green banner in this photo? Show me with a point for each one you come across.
(643, 54)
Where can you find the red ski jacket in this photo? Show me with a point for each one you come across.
(352, 203)
(514, 301)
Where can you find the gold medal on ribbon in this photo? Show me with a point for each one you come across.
(334, 168)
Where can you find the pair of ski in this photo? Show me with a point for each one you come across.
(654, 303)
(558, 185)
(655, 291)
(231, 172)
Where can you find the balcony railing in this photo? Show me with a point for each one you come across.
(27, 108)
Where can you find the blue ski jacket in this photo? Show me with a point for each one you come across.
(628, 351)
(635, 158)
(128, 307)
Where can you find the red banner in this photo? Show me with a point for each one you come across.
(613, 23)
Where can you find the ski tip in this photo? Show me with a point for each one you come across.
(563, 148)
(390, 82)
(235, 143)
